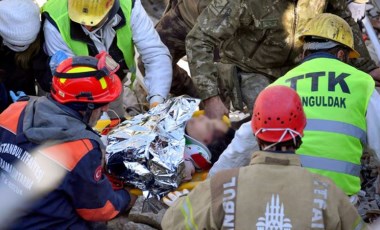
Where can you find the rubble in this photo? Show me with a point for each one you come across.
(137, 220)
(369, 198)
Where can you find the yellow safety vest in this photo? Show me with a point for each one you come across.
(58, 11)
(335, 98)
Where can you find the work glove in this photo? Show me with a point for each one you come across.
(17, 96)
(172, 197)
(357, 10)
(56, 59)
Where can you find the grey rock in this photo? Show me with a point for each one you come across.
(137, 220)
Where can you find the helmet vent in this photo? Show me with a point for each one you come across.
(278, 109)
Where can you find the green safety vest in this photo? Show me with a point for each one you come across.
(335, 98)
(58, 11)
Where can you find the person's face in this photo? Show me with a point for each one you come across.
(201, 128)
(96, 114)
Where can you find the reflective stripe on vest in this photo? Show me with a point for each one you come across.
(336, 127)
(330, 165)
(58, 11)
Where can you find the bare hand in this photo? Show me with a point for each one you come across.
(214, 107)
(220, 125)
(376, 76)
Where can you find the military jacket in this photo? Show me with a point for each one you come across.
(259, 36)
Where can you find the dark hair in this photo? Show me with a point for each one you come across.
(289, 143)
(218, 146)
(332, 51)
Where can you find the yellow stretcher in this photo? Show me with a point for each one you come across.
(196, 179)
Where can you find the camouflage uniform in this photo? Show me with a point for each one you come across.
(260, 37)
(173, 27)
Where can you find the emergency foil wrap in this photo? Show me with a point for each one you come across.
(147, 150)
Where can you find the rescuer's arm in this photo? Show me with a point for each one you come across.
(217, 22)
(91, 192)
(192, 211)
(373, 122)
(340, 8)
(54, 41)
(348, 214)
(155, 55)
(239, 152)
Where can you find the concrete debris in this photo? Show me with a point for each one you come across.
(369, 198)
(137, 220)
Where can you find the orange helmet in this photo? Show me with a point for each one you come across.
(278, 115)
(86, 80)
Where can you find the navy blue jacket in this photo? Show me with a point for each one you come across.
(84, 193)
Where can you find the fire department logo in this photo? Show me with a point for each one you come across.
(274, 216)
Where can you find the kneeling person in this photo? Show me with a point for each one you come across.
(340, 102)
(274, 184)
(58, 127)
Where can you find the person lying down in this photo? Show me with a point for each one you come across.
(206, 139)
(162, 148)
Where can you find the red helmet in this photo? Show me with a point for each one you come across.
(278, 115)
(87, 80)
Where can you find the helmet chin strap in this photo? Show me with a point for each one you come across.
(292, 133)
(87, 115)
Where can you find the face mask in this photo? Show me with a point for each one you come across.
(15, 48)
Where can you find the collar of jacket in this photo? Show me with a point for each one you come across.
(319, 55)
(71, 112)
(77, 33)
(67, 109)
(271, 158)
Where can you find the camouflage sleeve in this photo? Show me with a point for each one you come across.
(217, 22)
(364, 63)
